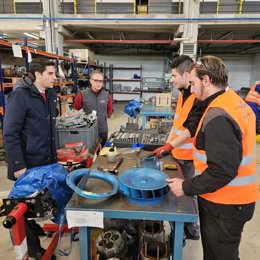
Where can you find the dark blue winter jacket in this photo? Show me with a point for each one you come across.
(29, 127)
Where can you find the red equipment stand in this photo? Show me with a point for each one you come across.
(15, 221)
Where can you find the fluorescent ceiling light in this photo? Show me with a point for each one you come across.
(32, 36)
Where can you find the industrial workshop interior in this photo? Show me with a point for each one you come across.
(130, 129)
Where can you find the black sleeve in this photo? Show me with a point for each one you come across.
(222, 140)
(12, 130)
(194, 117)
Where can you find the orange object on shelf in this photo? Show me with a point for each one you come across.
(7, 85)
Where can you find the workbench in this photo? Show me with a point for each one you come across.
(173, 209)
(152, 110)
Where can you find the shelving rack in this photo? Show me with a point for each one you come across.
(86, 70)
(34, 52)
(123, 89)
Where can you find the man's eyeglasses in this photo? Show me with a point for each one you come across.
(98, 80)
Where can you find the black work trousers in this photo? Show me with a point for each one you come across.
(221, 228)
(103, 136)
(32, 232)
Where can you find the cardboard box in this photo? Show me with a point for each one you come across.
(164, 99)
(82, 54)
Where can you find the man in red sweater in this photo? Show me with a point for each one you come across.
(96, 98)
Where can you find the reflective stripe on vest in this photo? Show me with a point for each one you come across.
(253, 96)
(243, 188)
(184, 151)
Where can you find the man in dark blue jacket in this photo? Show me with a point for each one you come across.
(29, 130)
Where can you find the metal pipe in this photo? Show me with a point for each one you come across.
(139, 41)
(217, 7)
(44, 18)
(228, 41)
(14, 6)
(75, 7)
(240, 7)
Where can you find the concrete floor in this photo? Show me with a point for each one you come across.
(249, 248)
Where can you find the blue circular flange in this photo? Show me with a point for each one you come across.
(74, 177)
(144, 178)
(143, 185)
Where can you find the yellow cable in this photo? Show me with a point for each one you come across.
(134, 6)
(95, 6)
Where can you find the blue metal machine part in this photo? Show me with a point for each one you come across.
(75, 176)
(143, 185)
(151, 162)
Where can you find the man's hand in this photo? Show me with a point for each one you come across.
(165, 148)
(175, 185)
(20, 173)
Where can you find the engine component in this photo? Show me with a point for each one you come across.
(40, 205)
(144, 138)
(152, 250)
(151, 162)
(152, 231)
(143, 185)
(110, 243)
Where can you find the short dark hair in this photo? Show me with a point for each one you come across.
(40, 66)
(214, 67)
(181, 64)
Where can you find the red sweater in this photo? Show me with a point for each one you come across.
(78, 103)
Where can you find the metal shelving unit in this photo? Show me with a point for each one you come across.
(25, 49)
(120, 87)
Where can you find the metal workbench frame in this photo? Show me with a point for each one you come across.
(176, 210)
(152, 110)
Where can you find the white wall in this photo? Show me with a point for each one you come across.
(239, 71)
(152, 65)
(242, 70)
(255, 71)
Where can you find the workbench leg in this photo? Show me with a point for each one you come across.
(177, 240)
(85, 243)
(143, 122)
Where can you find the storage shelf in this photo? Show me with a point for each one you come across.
(7, 85)
(63, 83)
(66, 96)
(126, 92)
(126, 68)
(37, 52)
(129, 80)
(152, 91)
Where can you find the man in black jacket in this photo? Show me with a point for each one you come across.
(29, 130)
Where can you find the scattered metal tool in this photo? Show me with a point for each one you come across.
(114, 169)
(170, 166)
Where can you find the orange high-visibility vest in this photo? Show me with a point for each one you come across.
(184, 151)
(253, 96)
(243, 189)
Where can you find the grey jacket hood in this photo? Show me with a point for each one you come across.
(25, 82)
